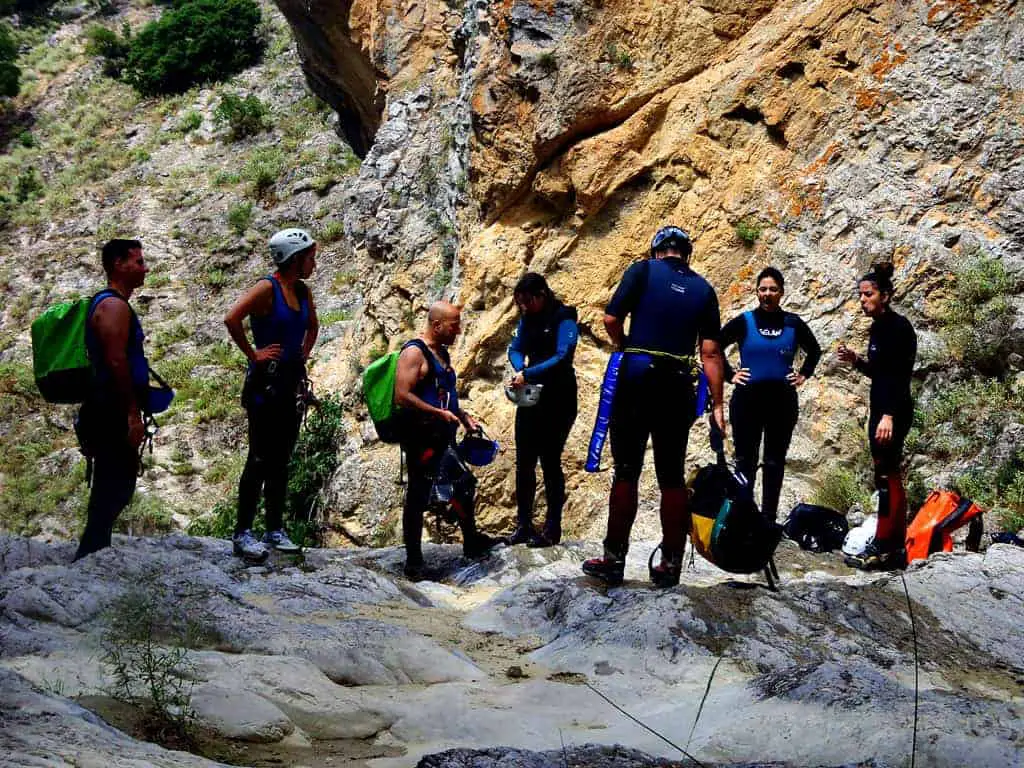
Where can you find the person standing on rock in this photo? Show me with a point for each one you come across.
(892, 349)
(670, 308)
(542, 352)
(284, 324)
(764, 402)
(430, 416)
(111, 425)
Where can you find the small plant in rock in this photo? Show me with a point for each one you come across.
(242, 117)
(240, 217)
(312, 466)
(144, 645)
(331, 231)
(263, 169)
(190, 121)
(840, 489)
(547, 61)
(748, 231)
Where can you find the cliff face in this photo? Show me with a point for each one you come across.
(557, 135)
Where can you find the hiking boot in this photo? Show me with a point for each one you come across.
(523, 534)
(876, 558)
(666, 573)
(247, 547)
(479, 546)
(609, 569)
(414, 571)
(548, 537)
(279, 540)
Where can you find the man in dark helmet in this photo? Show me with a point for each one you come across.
(670, 308)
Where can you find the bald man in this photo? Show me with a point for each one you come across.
(425, 392)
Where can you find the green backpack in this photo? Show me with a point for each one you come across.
(379, 391)
(60, 360)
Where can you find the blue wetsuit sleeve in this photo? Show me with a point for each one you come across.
(629, 291)
(812, 349)
(515, 349)
(565, 341)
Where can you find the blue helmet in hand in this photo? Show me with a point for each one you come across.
(672, 237)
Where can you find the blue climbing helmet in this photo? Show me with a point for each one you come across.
(672, 237)
(477, 449)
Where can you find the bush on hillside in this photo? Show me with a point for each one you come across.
(196, 42)
(108, 45)
(243, 117)
(10, 75)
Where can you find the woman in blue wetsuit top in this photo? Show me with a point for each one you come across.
(764, 403)
(284, 324)
(542, 352)
(892, 350)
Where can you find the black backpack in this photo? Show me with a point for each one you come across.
(815, 528)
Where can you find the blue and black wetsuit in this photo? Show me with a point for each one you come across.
(767, 406)
(892, 350)
(425, 439)
(103, 429)
(270, 399)
(670, 307)
(542, 349)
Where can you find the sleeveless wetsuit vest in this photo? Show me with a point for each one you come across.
(769, 358)
(283, 325)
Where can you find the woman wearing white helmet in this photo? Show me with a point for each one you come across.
(284, 324)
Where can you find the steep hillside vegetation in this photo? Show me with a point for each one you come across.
(87, 158)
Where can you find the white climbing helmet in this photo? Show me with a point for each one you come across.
(288, 242)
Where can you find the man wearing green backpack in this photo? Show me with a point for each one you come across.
(110, 424)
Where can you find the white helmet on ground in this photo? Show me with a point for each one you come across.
(287, 243)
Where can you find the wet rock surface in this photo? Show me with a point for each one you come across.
(519, 650)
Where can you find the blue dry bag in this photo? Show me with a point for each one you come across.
(604, 413)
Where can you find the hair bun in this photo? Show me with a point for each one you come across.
(884, 270)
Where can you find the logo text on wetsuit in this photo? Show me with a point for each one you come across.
(678, 288)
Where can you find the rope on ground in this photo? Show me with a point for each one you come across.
(707, 690)
(913, 632)
(645, 726)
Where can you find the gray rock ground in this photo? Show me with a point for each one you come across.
(518, 651)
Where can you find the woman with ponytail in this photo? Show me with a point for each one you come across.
(889, 364)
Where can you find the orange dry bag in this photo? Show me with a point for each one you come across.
(942, 513)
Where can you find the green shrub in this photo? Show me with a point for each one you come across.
(313, 463)
(196, 42)
(840, 489)
(219, 524)
(331, 231)
(243, 117)
(190, 121)
(10, 74)
(28, 186)
(748, 231)
(977, 320)
(547, 61)
(109, 46)
(240, 217)
(144, 646)
(262, 169)
(999, 490)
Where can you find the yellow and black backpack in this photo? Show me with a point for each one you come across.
(727, 528)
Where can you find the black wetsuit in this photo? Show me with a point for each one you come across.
(542, 349)
(892, 349)
(767, 405)
(670, 307)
